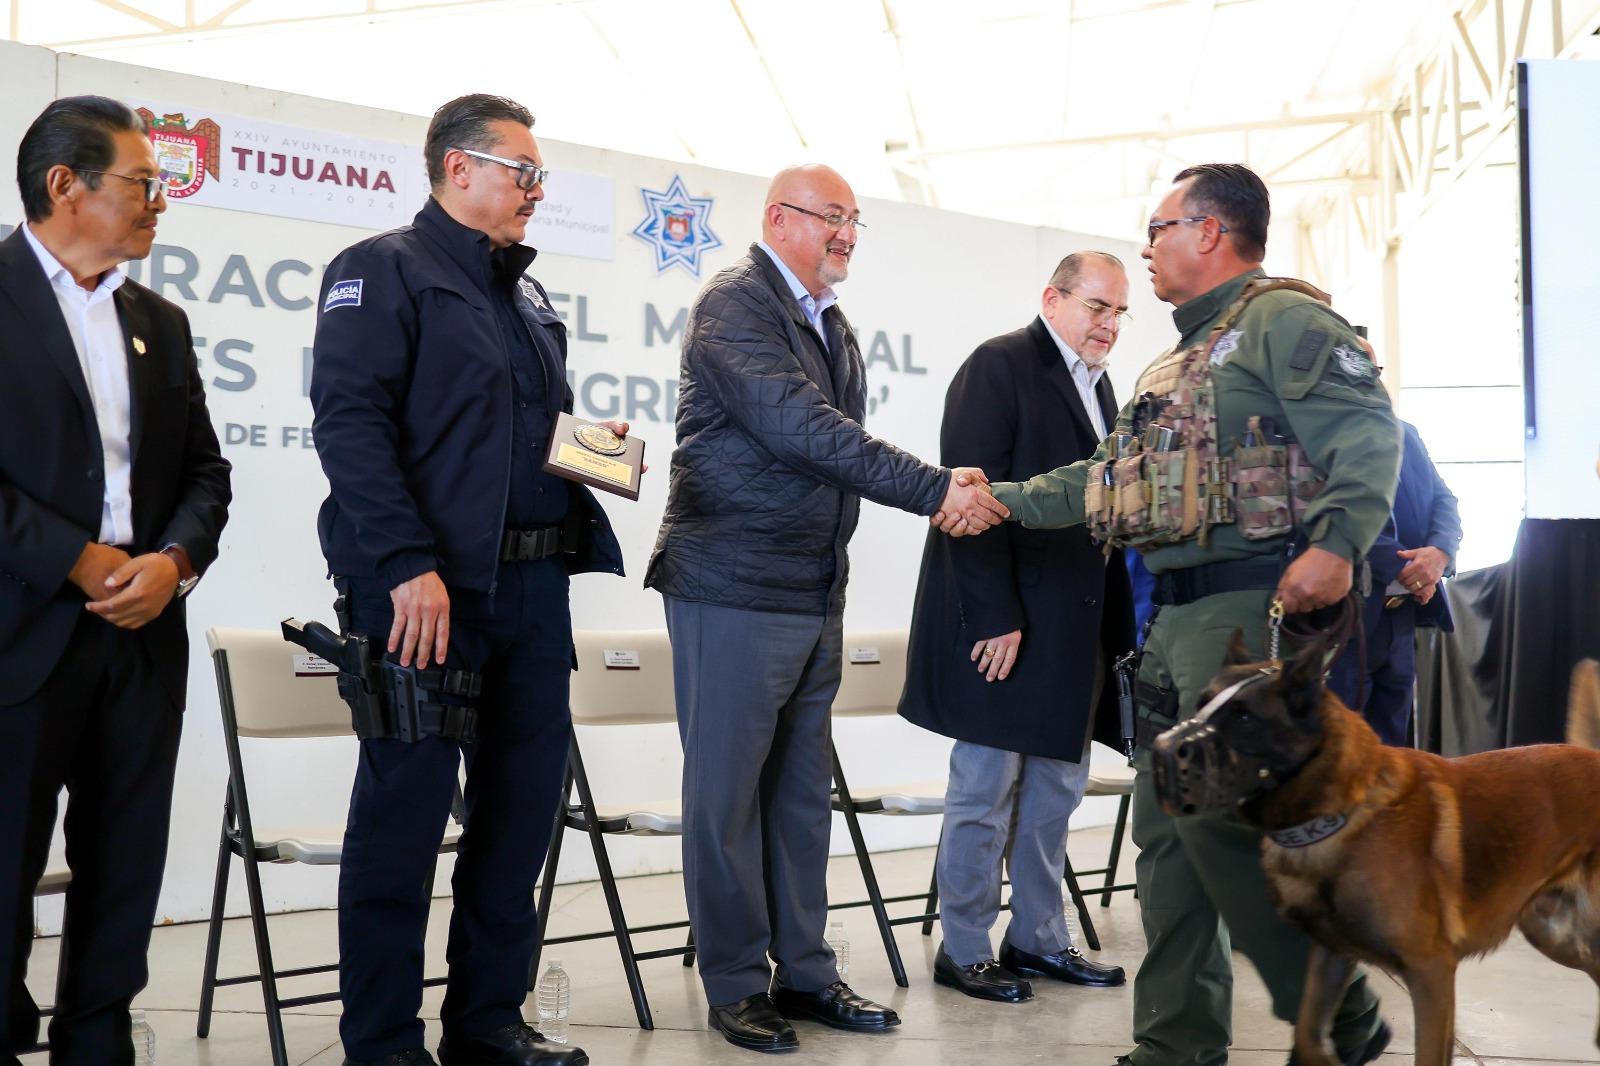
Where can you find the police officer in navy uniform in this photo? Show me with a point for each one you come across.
(439, 372)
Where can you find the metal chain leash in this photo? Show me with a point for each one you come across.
(1274, 630)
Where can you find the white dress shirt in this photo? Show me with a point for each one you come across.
(102, 353)
(1083, 376)
(813, 306)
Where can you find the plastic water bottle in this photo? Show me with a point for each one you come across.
(554, 998)
(144, 1039)
(841, 947)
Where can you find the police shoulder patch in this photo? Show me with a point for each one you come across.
(1354, 364)
(343, 294)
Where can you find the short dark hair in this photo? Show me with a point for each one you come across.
(1234, 194)
(75, 132)
(1070, 269)
(464, 123)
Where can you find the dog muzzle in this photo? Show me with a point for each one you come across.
(1195, 769)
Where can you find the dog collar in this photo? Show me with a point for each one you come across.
(1308, 833)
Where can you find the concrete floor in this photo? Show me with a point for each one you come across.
(1515, 1007)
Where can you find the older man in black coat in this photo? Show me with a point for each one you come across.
(1011, 638)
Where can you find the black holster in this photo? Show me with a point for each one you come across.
(389, 701)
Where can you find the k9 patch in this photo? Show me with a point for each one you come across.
(1354, 364)
(343, 294)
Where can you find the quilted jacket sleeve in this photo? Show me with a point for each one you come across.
(739, 349)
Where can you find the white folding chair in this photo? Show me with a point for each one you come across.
(271, 689)
(1114, 779)
(873, 674)
(624, 678)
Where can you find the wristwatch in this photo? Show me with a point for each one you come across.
(187, 578)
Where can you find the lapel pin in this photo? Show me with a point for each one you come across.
(138, 345)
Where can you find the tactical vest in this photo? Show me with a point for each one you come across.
(1168, 482)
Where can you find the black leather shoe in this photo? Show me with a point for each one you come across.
(754, 1024)
(987, 980)
(414, 1057)
(513, 1045)
(1068, 965)
(1363, 1054)
(837, 1006)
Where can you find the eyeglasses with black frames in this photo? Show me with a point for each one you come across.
(833, 220)
(528, 174)
(1159, 224)
(153, 187)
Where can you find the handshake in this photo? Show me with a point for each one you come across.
(969, 506)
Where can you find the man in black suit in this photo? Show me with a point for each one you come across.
(1011, 639)
(113, 494)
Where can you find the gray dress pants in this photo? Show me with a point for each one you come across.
(755, 690)
(1001, 806)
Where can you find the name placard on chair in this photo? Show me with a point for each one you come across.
(312, 666)
(864, 656)
(618, 659)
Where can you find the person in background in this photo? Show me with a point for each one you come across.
(1012, 636)
(1410, 561)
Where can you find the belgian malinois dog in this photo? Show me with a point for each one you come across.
(1395, 857)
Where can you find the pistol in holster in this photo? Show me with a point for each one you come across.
(389, 701)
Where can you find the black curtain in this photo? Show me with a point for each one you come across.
(1500, 680)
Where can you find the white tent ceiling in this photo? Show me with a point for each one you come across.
(1063, 112)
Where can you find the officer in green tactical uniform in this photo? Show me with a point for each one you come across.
(1265, 427)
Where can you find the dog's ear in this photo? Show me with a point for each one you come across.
(1237, 654)
(1302, 677)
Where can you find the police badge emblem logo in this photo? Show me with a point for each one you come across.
(677, 226)
(599, 439)
(531, 291)
(1353, 363)
(1225, 346)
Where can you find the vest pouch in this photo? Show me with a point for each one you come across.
(1132, 505)
(1304, 483)
(1261, 491)
(1099, 503)
(1175, 494)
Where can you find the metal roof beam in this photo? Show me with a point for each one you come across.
(1162, 133)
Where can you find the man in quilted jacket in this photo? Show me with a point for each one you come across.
(771, 463)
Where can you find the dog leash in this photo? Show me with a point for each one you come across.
(1274, 630)
(1341, 623)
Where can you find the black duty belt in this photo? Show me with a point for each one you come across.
(1178, 587)
(523, 545)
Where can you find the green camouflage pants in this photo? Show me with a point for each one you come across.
(1201, 888)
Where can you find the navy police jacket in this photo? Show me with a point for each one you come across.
(411, 391)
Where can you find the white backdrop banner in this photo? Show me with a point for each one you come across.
(926, 287)
(239, 163)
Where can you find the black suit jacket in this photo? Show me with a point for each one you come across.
(1013, 410)
(52, 472)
